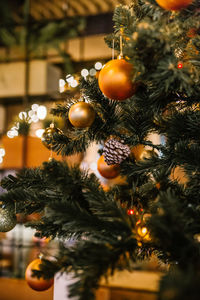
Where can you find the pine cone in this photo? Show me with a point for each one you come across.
(115, 152)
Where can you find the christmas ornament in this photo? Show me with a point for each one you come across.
(115, 80)
(37, 284)
(140, 153)
(148, 154)
(81, 115)
(47, 136)
(8, 220)
(115, 152)
(137, 151)
(105, 170)
(174, 4)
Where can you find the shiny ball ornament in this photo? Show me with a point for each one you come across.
(115, 80)
(107, 171)
(81, 115)
(37, 284)
(8, 220)
(174, 4)
(47, 136)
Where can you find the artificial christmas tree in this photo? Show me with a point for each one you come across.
(154, 212)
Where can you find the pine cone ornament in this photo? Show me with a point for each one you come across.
(115, 151)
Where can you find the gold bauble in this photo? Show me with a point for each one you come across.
(8, 220)
(137, 151)
(81, 115)
(37, 284)
(140, 153)
(47, 136)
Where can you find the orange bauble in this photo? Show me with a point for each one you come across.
(107, 171)
(174, 4)
(37, 284)
(115, 80)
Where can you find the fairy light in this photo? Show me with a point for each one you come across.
(98, 65)
(130, 212)
(69, 79)
(180, 65)
(84, 73)
(35, 107)
(22, 115)
(10, 134)
(144, 230)
(2, 152)
(41, 112)
(61, 85)
(92, 72)
(74, 83)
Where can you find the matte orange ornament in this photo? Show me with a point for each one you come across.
(81, 115)
(107, 171)
(37, 284)
(174, 4)
(115, 80)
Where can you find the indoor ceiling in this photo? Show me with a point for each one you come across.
(49, 9)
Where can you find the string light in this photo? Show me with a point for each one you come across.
(92, 72)
(61, 85)
(84, 73)
(41, 112)
(180, 65)
(22, 115)
(130, 212)
(74, 83)
(35, 107)
(98, 66)
(36, 113)
(2, 154)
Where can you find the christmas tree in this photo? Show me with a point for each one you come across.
(153, 88)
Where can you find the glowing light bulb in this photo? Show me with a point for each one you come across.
(130, 212)
(84, 73)
(35, 107)
(10, 134)
(92, 72)
(69, 78)
(144, 230)
(2, 152)
(180, 65)
(61, 83)
(31, 113)
(22, 115)
(41, 112)
(74, 83)
(98, 65)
